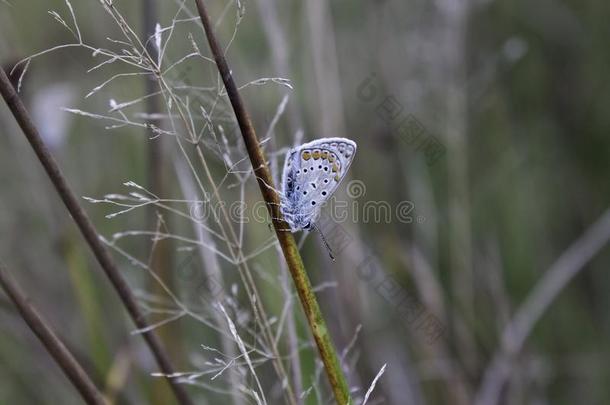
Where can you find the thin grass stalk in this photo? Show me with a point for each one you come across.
(460, 224)
(276, 38)
(293, 258)
(233, 246)
(211, 269)
(161, 254)
(155, 156)
(89, 232)
(514, 336)
(62, 356)
(250, 285)
(326, 75)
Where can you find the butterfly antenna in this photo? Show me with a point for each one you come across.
(330, 251)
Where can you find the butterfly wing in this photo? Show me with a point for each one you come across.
(288, 174)
(287, 197)
(315, 171)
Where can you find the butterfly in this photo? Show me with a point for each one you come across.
(312, 172)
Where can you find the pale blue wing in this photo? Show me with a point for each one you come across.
(314, 172)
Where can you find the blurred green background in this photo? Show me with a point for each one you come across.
(513, 94)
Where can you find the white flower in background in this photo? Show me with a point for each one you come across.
(50, 120)
(515, 48)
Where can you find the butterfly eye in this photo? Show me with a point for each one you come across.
(326, 181)
(313, 203)
(324, 193)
